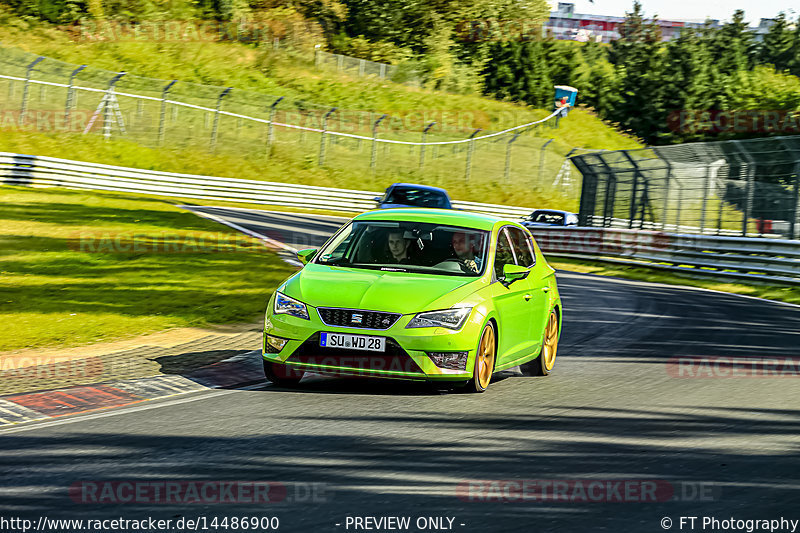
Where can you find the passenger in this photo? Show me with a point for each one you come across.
(398, 247)
(464, 248)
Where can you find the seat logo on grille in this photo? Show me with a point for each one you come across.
(356, 318)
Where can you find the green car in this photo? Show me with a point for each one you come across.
(416, 294)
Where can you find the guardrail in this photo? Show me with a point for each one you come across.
(775, 260)
(625, 223)
(40, 171)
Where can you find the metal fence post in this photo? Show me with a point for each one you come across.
(793, 155)
(422, 146)
(361, 65)
(608, 204)
(382, 71)
(706, 187)
(507, 172)
(751, 174)
(270, 128)
(322, 137)
(794, 219)
(636, 175)
(111, 100)
(611, 192)
(470, 150)
(28, 73)
(665, 207)
(215, 128)
(541, 160)
(794, 224)
(162, 117)
(374, 155)
(588, 198)
(71, 95)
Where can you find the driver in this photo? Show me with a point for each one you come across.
(464, 248)
(398, 247)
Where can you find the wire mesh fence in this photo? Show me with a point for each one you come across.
(740, 187)
(45, 94)
(352, 65)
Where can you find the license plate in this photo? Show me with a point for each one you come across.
(352, 342)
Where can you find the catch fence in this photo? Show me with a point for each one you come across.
(449, 148)
(738, 187)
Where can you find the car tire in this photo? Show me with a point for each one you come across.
(281, 375)
(485, 360)
(543, 365)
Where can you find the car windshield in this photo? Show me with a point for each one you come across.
(408, 247)
(416, 197)
(548, 217)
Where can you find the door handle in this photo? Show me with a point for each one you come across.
(527, 297)
(545, 289)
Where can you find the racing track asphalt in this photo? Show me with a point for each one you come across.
(613, 409)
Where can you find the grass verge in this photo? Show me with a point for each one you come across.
(77, 268)
(779, 293)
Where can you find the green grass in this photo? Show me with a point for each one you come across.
(781, 293)
(64, 284)
(292, 75)
(241, 148)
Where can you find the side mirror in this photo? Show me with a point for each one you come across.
(377, 199)
(304, 256)
(512, 273)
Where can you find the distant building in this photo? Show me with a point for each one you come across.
(565, 24)
(762, 29)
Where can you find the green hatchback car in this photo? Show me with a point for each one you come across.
(416, 294)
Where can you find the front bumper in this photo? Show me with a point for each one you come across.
(406, 355)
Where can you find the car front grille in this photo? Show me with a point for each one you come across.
(355, 318)
(394, 359)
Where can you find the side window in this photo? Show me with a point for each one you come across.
(504, 256)
(522, 247)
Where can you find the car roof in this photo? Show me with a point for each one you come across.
(418, 186)
(450, 217)
(554, 211)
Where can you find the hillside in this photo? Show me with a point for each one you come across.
(258, 75)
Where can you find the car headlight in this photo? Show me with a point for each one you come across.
(447, 318)
(290, 306)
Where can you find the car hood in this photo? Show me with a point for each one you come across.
(396, 292)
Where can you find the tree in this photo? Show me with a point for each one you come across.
(638, 60)
(518, 71)
(596, 79)
(794, 52)
(776, 49)
(731, 45)
(563, 59)
(684, 85)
